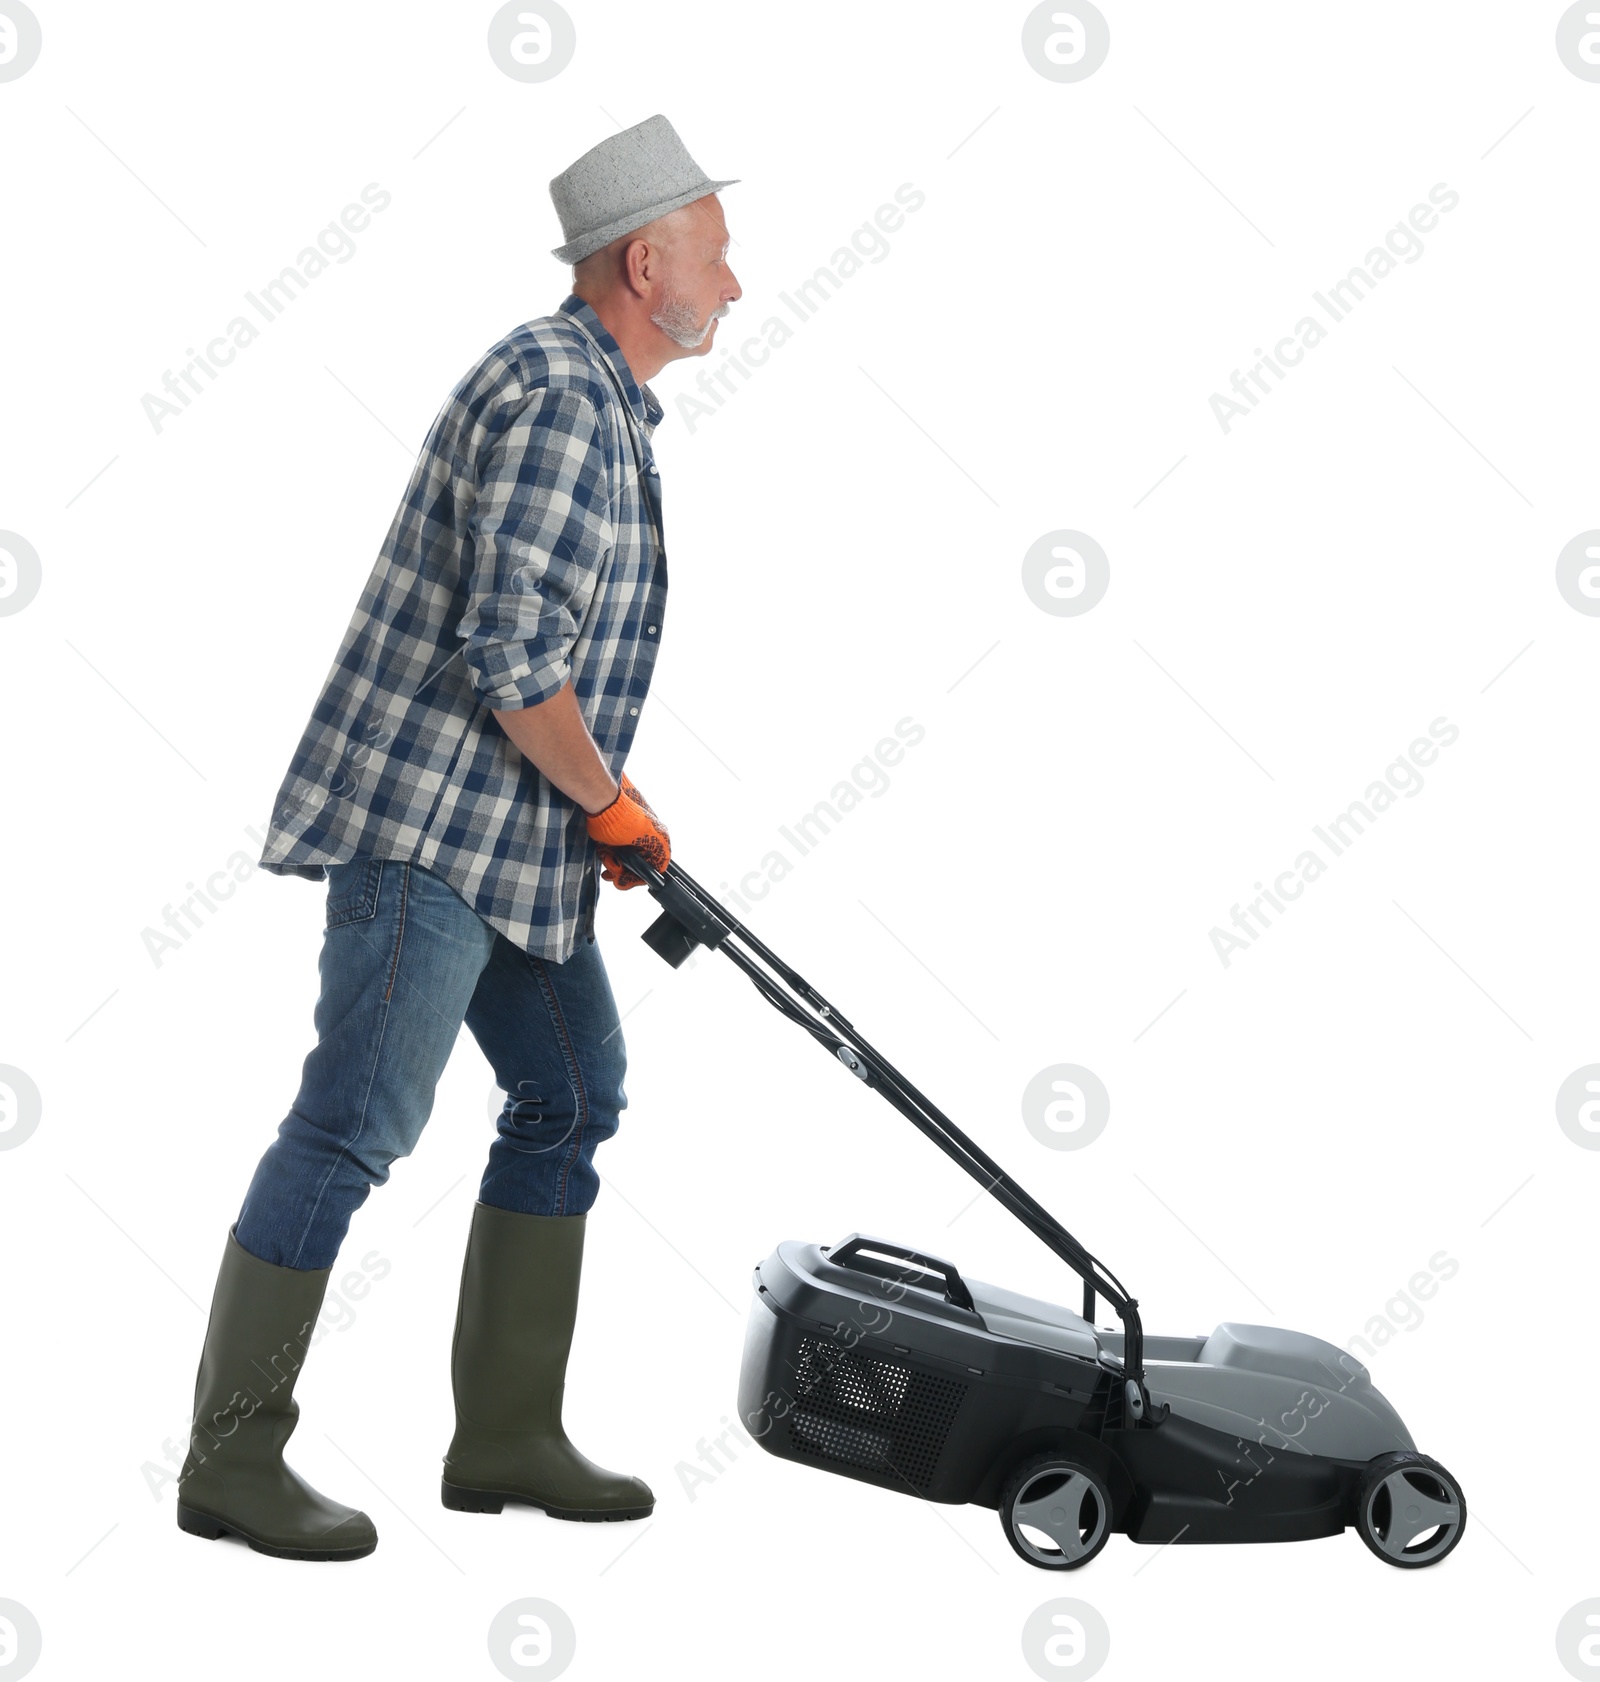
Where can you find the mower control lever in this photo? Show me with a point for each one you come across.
(852, 1061)
(684, 923)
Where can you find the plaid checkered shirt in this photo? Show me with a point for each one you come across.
(526, 551)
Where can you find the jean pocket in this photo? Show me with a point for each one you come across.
(353, 891)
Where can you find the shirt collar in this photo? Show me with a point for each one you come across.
(641, 399)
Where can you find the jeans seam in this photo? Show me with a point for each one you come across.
(400, 933)
(580, 1091)
(348, 1145)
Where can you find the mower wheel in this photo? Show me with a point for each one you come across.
(1409, 1510)
(1056, 1512)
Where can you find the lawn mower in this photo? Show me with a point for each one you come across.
(883, 1363)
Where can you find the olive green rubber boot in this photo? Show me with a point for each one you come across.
(508, 1367)
(234, 1480)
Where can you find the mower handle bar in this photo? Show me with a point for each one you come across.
(691, 917)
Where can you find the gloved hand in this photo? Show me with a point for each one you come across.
(629, 822)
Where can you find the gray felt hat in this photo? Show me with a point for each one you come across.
(624, 182)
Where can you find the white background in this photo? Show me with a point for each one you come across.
(1289, 1143)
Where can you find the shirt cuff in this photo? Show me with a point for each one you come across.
(516, 677)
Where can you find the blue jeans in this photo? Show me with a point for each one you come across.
(405, 961)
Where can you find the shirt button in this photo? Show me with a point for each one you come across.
(633, 712)
(650, 630)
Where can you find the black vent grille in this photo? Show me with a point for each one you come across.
(861, 1410)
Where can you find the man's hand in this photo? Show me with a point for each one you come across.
(629, 822)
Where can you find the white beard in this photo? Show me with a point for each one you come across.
(676, 318)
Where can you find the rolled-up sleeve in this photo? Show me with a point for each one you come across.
(540, 534)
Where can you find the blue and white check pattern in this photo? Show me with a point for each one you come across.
(526, 551)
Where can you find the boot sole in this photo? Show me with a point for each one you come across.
(461, 1500)
(210, 1529)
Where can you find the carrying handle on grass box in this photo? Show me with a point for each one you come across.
(860, 1252)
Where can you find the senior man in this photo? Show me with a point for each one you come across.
(462, 769)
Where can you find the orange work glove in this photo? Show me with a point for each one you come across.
(629, 822)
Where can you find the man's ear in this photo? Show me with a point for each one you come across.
(643, 261)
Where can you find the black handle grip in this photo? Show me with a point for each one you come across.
(640, 865)
(938, 1275)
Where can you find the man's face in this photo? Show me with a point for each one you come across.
(697, 286)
